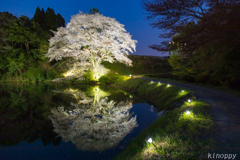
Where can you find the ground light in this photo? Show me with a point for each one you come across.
(159, 82)
(182, 90)
(150, 140)
(189, 100)
(168, 85)
(188, 112)
(151, 81)
(130, 75)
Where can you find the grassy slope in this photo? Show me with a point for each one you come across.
(169, 78)
(162, 94)
(176, 134)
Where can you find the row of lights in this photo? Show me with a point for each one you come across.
(160, 83)
(188, 112)
(150, 140)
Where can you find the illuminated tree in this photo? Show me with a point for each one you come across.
(90, 39)
(93, 125)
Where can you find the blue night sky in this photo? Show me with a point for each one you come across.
(127, 12)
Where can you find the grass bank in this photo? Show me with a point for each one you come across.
(219, 88)
(177, 134)
(164, 95)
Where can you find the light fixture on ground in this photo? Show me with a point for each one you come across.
(159, 82)
(150, 140)
(130, 75)
(182, 90)
(188, 112)
(151, 81)
(189, 100)
(168, 85)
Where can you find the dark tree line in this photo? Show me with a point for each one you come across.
(204, 36)
(48, 20)
(23, 44)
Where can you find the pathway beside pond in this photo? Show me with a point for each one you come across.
(225, 113)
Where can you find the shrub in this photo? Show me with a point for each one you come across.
(110, 78)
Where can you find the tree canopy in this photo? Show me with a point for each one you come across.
(48, 20)
(23, 43)
(173, 15)
(90, 39)
(205, 34)
(93, 10)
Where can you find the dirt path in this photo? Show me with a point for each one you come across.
(225, 112)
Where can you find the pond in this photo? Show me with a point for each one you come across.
(59, 121)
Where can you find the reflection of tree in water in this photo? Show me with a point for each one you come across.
(24, 111)
(93, 124)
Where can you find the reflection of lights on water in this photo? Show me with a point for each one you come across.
(152, 109)
(82, 121)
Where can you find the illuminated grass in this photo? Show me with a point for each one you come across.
(176, 135)
(162, 94)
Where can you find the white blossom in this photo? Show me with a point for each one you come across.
(91, 39)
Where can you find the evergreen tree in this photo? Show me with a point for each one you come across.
(48, 20)
(93, 10)
(60, 21)
(39, 17)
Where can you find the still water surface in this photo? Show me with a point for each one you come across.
(69, 121)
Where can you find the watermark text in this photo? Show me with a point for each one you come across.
(221, 156)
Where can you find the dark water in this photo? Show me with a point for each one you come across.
(69, 121)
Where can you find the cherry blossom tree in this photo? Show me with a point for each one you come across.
(90, 39)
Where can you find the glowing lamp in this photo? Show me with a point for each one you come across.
(188, 112)
(189, 100)
(151, 81)
(168, 85)
(159, 82)
(182, 90)
(149, 140)
(130, 75)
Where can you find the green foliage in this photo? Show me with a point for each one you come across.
(176, 134)
(110, 78)
(209, 48)
(23, 45)
(93, 10)
(181, 69)
(129, 84)
(141, 65)
(51, 74)
(14, 66)
(89, 76)
(34, 74)
(162, 94)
